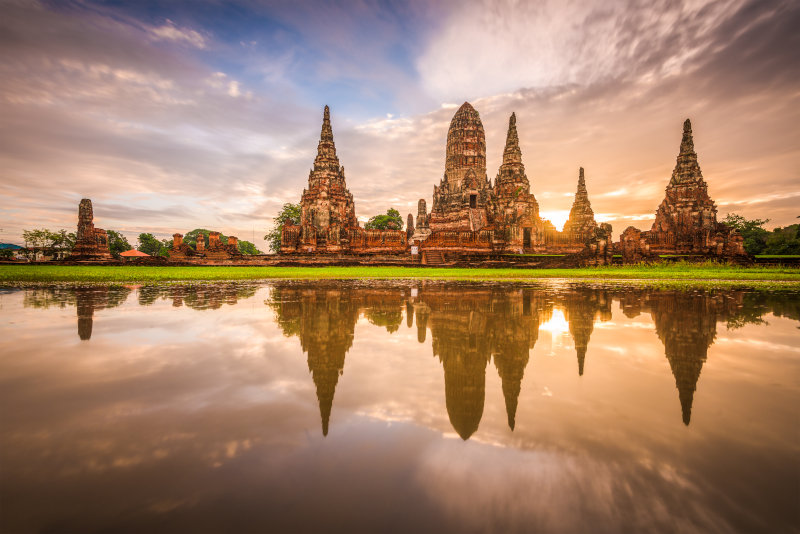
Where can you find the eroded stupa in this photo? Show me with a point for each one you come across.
(328, 222)
(581, 224)
(686, 221)
(461, 198)
(91, 243)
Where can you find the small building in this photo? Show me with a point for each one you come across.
(133, 253)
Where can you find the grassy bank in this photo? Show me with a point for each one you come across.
(12, 274)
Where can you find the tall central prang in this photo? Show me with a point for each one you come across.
(459, 201)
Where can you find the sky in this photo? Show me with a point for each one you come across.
(178, 115)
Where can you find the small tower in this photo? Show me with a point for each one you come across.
(581, 224)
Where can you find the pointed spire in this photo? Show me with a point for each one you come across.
(582, 186)
(325, 381)
(686, 397)
(581, 215)
(687, 143)
(511, 389)
(687, 170)
(512, 153)
(326, 149)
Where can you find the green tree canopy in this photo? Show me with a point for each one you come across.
(289, 213)
(149, 244)
(758, 240)
(752, 230)
(391, 221)
(47, 239)
(784, 240)
(117, 243)
(246, 247)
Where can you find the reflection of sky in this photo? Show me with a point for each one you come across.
(171, 416)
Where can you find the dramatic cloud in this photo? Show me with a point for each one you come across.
(180, 117)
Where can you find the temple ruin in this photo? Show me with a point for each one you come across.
(328, 222)
(686, 221)
(91, 243)
(216, 251)
(472, 217)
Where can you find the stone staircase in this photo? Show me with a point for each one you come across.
(434, 257)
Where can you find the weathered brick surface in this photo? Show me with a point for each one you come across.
(461, 198)
(581, 224)
(328, 222)
(91, 243)
(465, 202)
(686, 221)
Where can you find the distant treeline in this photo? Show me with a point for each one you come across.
(61, 242)
(759, 240)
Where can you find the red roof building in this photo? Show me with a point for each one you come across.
(133, 253)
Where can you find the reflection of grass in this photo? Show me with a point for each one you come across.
(676, 273)
(778, 256)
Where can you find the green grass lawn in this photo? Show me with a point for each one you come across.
(16, 274)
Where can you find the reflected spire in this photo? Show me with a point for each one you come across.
(465, 392)
(581, 310)
(88, 300)
(325, 373)
(324, 317)
(686, 324)
(511, 371)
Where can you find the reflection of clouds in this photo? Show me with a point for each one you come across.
(558, 491)
(228, 410)
(761, 344)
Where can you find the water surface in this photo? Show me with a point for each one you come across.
(398, 407)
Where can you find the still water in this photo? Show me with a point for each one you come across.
(398, 407)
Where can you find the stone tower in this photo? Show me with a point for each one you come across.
(511, 179)
(687, 217)
(90, 243)
(326, 207)
(459, 201)
(515, 210)
(581, 224)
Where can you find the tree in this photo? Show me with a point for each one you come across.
(149, 244)
(289, 213)
(391, 221)
(117, 243)
(752, 230)
(48, 242)
(783, 241)
(246, 247)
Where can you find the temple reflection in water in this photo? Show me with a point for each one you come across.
(473, 325)
(470, 326)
